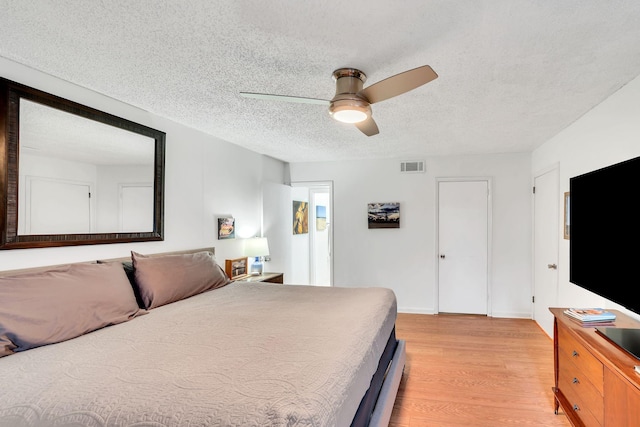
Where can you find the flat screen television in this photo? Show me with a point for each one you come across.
(604, 232)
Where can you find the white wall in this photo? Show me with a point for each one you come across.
(607, 134)
(204, 176)
(276, 205)
(404, 259)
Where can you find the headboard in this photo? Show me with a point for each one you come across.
(121, 259)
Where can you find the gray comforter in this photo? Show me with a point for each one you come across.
(246, 354)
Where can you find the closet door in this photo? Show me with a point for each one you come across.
(463, 240)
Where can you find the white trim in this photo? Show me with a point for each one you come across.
(411, 310)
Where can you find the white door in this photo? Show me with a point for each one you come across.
(57, 207)
(545, 253)
(463, 246)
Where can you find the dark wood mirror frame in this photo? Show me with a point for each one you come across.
(10, 95)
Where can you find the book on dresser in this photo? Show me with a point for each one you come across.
(591, 316)
(596, 324)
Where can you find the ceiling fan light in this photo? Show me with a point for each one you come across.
(350, 115)
(350, 111)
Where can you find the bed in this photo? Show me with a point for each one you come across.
(231, 354)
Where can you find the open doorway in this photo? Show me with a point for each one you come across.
(318, 256)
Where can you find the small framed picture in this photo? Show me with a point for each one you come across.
(236, 268)
(383, 215)
(226, 228)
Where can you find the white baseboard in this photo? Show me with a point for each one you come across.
(505, 315)
(411, 310)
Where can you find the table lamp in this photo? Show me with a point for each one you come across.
(257, 247)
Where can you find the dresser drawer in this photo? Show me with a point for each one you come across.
(587, 419)
(583, 396)
(584, 361)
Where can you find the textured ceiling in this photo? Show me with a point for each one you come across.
(512, 73)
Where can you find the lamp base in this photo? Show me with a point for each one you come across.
(256, 267)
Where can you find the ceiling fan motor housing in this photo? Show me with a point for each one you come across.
(347, 105)
(348, 80)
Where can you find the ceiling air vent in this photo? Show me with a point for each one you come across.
(412, 167)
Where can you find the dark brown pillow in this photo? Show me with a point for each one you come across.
(164, 279)
(62, 303)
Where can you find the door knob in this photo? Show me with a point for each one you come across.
(552, 266)
(442, 256)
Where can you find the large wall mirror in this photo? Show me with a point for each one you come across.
(73, 175)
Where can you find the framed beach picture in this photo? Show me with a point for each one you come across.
(226, 228)
(321, 218)
(383, 215)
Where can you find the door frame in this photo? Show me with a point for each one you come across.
(310, 185)
(489, 182)
(555, 166)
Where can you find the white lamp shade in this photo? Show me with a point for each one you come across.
(256, 247)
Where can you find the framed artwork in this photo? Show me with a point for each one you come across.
(300, 217)
(321, 218)
(566, 215)
(383, 215)
(236, 268)
(226, 228)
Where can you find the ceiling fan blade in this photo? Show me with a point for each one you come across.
(285, 98)
(368, 127)
(398, 84)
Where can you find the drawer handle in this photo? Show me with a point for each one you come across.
(576, 407)
(575, 354)
(575, 381)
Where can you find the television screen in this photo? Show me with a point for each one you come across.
(604, 234)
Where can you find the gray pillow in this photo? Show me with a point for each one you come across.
(164, 279)
(62, 303)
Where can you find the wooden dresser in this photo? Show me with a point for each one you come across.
(595, 381)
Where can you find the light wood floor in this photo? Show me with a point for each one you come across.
(465, 370)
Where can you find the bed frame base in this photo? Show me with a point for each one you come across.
(384, 406)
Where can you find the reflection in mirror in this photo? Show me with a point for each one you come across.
(81, 176)
(73, 175)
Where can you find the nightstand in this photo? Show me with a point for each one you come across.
(265, 277)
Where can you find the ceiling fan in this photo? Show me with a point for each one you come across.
(352, 103)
